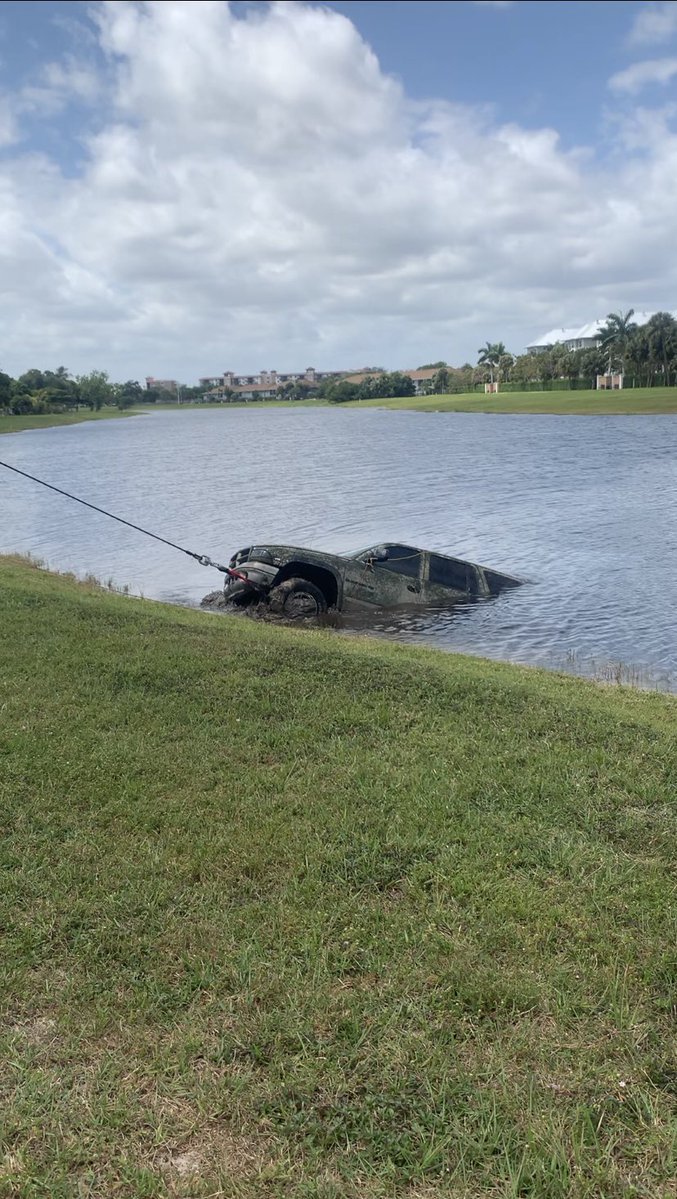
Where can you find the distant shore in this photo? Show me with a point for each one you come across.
(640, 401)
(17, 424)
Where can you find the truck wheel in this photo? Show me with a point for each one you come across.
(296, 598)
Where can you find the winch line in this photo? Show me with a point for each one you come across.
(203, 559)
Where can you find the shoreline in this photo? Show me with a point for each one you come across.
(49, 420)
(648, 401)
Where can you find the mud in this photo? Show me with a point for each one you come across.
(215, 601)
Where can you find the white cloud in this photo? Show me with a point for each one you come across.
(256, 191)
(654, 23)
(493, 3)
(59, 84)
(640, 74)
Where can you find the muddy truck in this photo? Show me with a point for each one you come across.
(299, 582)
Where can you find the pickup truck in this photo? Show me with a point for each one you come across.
(300, 582)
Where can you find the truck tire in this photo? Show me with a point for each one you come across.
(297, 598)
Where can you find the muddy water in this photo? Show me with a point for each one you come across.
(584, 507)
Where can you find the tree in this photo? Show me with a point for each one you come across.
(504, 366)
(401, 384)
(5, 389)
(440, 381)
(544, 366)
(661, 332)
(616, 335)
(591, 364)
(129, 393)
(524, 369)
(96, 389)
(489, 356)
(460, 378)
(29, 382)
(60, 390)
(340, 393)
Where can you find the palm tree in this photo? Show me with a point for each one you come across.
(662, 337)
(489, 355)
(616, 335)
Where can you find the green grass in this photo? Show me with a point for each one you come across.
(637, 400)
(287, 914)
(16, 424)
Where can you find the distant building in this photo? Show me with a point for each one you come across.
(263, 386)
(268, 383)
(161, 385)
(581, 337)
(362, 376)
(422, 379)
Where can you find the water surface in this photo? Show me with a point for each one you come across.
(584, 507)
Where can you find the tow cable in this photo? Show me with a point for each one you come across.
(203, 559)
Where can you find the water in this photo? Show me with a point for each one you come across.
(583, 507)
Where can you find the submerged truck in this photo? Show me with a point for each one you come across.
(299, 582)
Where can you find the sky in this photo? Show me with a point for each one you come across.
(193, 187)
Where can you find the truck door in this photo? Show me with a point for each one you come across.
(399, 577)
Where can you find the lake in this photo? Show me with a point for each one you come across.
(585, 508)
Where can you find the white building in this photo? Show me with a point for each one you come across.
(263, 386)
(582, 337)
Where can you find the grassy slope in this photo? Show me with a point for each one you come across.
(287, 914)
(639, 400)
(16, 424)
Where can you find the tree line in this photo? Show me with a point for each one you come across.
(645, 354)
(385, 385)
(37, 391)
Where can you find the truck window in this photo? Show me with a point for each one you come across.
(402, 560)
(452, 573)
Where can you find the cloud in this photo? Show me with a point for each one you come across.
(637, 76)
(59, 84)
(254, 190)
(493, 3)
(654, 23)
(9, 132)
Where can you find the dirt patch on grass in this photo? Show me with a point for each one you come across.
(39, 1031)
(222, 1153)
(186, 1163)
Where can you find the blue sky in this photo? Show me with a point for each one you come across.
(192, 187)
(539, 64)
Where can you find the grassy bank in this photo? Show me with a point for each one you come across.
(291, 915)
(16, 424)
(637, 400)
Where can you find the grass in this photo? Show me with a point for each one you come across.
(291, 915)
(637, 400)
(16, 424)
